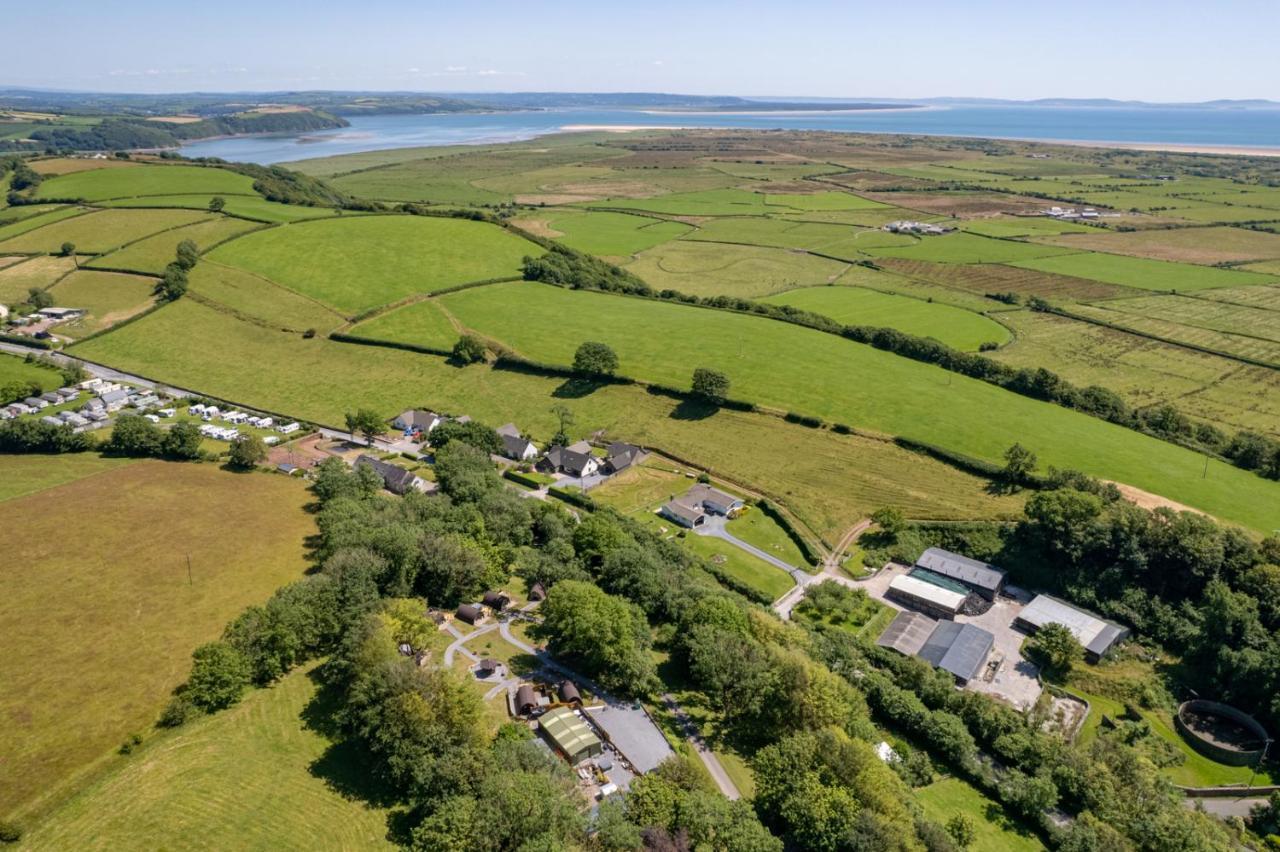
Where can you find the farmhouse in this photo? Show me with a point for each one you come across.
(621, 456)
(1096, 635)
(960, 649)
(575, 460)
(682, 514)
(986, 580)
(416, 420)
(689, 509)
(396, 479)
(570, 734)
(930, 598)
(514, 445)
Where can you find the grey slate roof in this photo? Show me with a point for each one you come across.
(1095, 634)
(691, 514)
(958, 648)
(962, 568)
(907, 633)
(571, 460)
(396, 478)
(513, 446)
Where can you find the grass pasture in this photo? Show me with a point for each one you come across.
(110, 297)
(47, 214)
(244, 206)
(15, 369)
(1143, 273)
(824, 238)
(607, 234)
(711, 202)
(821, 201)
(423, 323)
(175, 791)
(152, 254)
(17, 279)
(98, 612)
(259, 299)
(847, 382)
(356, 263)
(28, 474)
(100, 231)
(994, 831)
(981, 279)
(958, 328)
(150, 179)
(961, 247)
(828, 480)
(729, 269)
(1255, 336)
(1181, 245)
(1023, 226)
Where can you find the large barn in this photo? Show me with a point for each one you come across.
(1096, 635)
(987, 580)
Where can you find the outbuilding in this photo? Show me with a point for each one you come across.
(569, 693)
(929, 598)
(570, 734)
(526, 700)
(960, 649)
(1096, 635)
(496, 601)
(986, 580)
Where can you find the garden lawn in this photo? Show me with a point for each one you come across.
(797, 369)
(742, 566)
(357, 263)
(101, 231)
(827, 480)
(960, 247)
(724, 269)
(1144, 273)
(100, 616)
(956, 327)
(262, 775)
(99, 184)
(994, 831)
(248, 295)
(245, 206)
(110, 297)
(153, 254)
(610, 234)
(758, 529)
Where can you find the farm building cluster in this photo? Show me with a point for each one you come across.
(38, 324)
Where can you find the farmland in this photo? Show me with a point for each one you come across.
(1143, 273)
(245, 206)
(720, 269)
(100, 231)
(100, 184)
(74, 701)
(152, 254)
(110, 297)
(259, 300)
(994, 830)
(1186, 245)
(14, 369)
(330, 260)
(41, 272)
(605, 234)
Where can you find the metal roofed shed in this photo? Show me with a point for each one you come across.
(928, 597)
(907, 633)
(1096, 635)
(570, 734)
(960, 649)
(631, 731)
(987, 580)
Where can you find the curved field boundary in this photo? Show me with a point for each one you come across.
(265, 279)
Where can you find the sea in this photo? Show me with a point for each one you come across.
(1236, 127)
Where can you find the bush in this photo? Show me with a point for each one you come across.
(177, 712)
(469, 350)
(10, 832)
(219, 676)
(131, 742)
(710, 385)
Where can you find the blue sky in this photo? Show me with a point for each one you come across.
(1165, 50)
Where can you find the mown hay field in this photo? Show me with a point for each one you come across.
(263, 775)
(356, 263)
(1262, 349)
(40, 272)
(1143, 273)
(259, 299)
(99, 184)
(1147, 372)
(110, 298)
(28, 474)
(961, 247)
(1182, 245)
(246, 206)
(605, 234)
(833, 239)
(993, 278)
(422, 323)
(958, 328)
(828, 480)
(792, 368)
(100, 615)
(100, 231)
(729, 269)
(47, 215)
(152, 254)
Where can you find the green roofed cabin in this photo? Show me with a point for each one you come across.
(570, 734)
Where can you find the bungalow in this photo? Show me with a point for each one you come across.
(621, 456)
(514, 445)
(713, 500)
(416, 420)
(574, 460)
(470, 613)
(396, 479)
(683, 514)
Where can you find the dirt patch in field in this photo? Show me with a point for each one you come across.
(966, 205)
(552, 199)
(538, 227)
(305, 453)
(610, 189)
(1147, 500)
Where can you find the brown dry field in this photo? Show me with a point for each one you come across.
(872, 181)
(175, 119)
(996, 278)
(962, 204)
(1181, 245)
(68, 165)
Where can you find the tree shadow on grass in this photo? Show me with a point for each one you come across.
(344, 766)
(577, 388)
(694, 409)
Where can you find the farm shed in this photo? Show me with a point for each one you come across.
(1096, 635)
(960, 649)
(927, 597)
(907, 633)
(570, 734)
(635, 736)
(987, 580)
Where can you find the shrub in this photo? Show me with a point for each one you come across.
(177, 712)
(469, 349)
(10, 832)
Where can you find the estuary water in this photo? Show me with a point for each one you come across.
(1210, 127)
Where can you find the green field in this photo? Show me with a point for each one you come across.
(16, 280)
(1022, 226)
(245, 206)
(260, 300)
(995, 830)
(837, 240)
(742, 566)
(153, 254)
(1183, 245)
(1255, 338)
(711, 202)
(48, 215)
(828, 480)
(422, 323)
(99, 184)
(110, 297)
(955, 327)
(97, 609)
(1143, 273)
(725, 269)
(847, 382)
(356, 263)
(608, 234)
(174, 791)
(101, 231)
(967, 248)
(15, 369)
